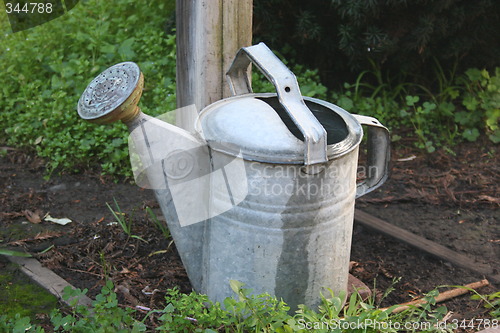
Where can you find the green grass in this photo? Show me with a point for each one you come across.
(124, 221)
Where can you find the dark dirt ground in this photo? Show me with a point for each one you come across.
(452, 200)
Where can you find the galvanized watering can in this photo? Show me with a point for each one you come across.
(263, 192)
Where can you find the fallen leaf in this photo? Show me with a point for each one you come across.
(124, 271)
(40, 236)
(46, 235)
(33, 217)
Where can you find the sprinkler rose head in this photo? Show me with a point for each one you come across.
(113, 95)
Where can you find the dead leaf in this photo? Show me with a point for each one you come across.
(122, 288)
(40, 236)
(124, 271)
(33, 217)
(47, 234)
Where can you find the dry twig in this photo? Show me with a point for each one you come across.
(444, 296)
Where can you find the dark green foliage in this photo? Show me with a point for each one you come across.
(402, 37)
(462, 108)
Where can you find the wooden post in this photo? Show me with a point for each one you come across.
(209, 33)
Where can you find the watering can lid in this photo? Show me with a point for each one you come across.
(254, 127)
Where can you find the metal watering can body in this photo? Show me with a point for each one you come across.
(264, 191)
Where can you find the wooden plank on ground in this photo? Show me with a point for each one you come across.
(46, 278)
(425, 245)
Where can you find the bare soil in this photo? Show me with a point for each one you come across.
(452, 200)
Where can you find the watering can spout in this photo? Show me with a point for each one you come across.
(164, 158)
(157, 149)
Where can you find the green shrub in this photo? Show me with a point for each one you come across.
(403, 37)
(482, 105)
(463, 108)
(45, 70)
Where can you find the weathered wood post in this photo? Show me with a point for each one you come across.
(209, 33)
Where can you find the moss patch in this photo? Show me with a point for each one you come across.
(18, 294)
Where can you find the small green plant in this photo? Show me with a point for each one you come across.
(261, 313)
(482, 104)
(18, 324)
(421, 114)
(491, 301)
(124, 222)
(105, 315)
(190, 313)
(105, 267)
(158, 224)
(428, 312)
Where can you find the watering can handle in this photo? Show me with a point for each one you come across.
(378, 155)
(288, 92)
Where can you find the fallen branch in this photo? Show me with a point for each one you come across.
(444, 296)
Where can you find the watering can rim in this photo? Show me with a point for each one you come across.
(291, 148)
